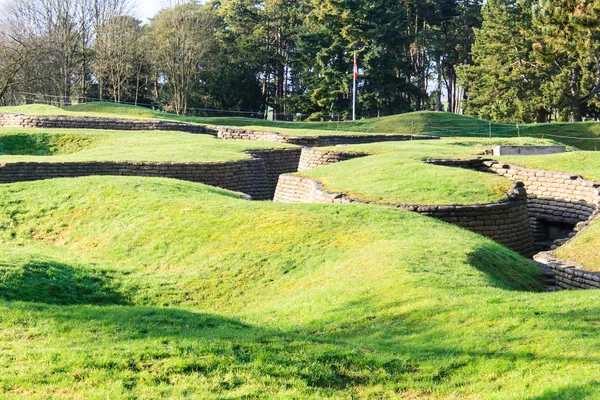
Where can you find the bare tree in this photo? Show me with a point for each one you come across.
(182, 37)
(118, 52)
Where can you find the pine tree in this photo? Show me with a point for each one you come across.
(504, 82)
(569, 45)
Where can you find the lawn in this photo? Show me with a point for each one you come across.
(143, 288)
(583, 135)
(396, 174)
(146, 288)
(584, 163)
(65, 145)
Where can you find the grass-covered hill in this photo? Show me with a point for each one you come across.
(146, 288)
(583, 135)
(114, 287)
(62, 145)
(397, 173)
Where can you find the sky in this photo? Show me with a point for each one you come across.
(143, 9)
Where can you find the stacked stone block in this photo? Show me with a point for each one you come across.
(312, 158)
(227, 133)
(311, 141)
(37, 121)
(246, 176)
(552, 196)
(568, 274)
(277, 162)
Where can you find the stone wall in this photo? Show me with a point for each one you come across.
(505, 222)
(552, 196)
(37, 121)
(227, 133)
(336, 140)
(568, 274)
(310, 141)
(246, 176)
(277, 162)
(527, 150)
(312, 158)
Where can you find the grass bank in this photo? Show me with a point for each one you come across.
(145, 288)
(63, 145)
(583, 135)
(396, 174)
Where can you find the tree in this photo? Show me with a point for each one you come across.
(262, 35)
(182, 37)
(504, 82)
(119, 55)
(453, 35)
(569, 44)
(18, 49)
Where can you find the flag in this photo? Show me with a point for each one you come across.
(355, 67)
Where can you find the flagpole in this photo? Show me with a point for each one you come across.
(354, 73)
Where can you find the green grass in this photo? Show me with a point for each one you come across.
(583, 248)
(585, 136)
(584, 163)
(398, 175)
(63, 145)
(99, 110)
(150, 288)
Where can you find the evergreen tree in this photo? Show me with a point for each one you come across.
(569, 45)
(504, 82)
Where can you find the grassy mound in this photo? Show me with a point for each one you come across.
(584, 163)
(398, 175)
(584, 248)
(62, 145)
(207, 295)
(98, 110)
(13, 142)
(585, 136)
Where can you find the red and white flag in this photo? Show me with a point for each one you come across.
(355, 67)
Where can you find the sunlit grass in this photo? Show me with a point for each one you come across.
(397, 173)
(583, 135)
(62, 145)
(156, 288)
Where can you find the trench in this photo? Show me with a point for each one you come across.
(558, 205)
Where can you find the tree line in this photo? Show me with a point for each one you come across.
(517, 60)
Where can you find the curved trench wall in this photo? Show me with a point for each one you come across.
(568, 274)
(505, 222)
(312, 158)
(277, 162)
(64, 122)
(553, 197)
(37, 121)
(246, 176)
(311, 141)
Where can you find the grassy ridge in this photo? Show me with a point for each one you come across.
(585, 136)
(210, 296)
(63, 145)
(584, 163)
(398, 175)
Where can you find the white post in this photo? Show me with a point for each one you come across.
(355, 73)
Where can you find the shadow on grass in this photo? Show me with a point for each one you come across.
(169, 343)
(56, 283)
(587, 391)
(505, 269)
(151, 345)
